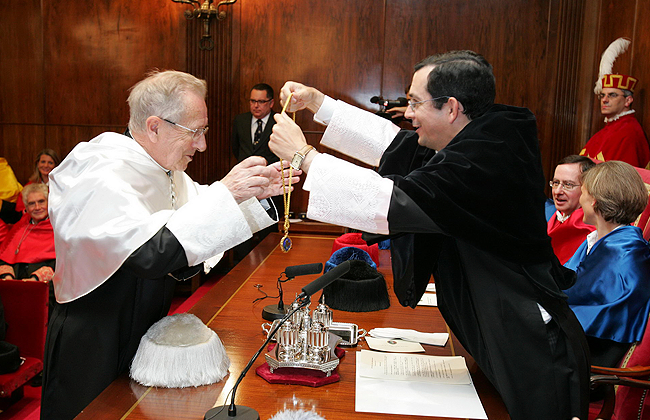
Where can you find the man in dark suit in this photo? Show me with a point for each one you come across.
(251, 130)
(250, 136)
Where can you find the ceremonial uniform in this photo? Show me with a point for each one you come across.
(496, 276)
(567, 236)
(28, 247)
(611, 297)
(622, 139)
(125, 230)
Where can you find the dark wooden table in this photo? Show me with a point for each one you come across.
(229, 310)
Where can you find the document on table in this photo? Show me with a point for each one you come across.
(428, 299)
(393, 345)
(452, 395)
(413, 367)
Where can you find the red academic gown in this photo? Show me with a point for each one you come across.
(566, 237)
(623, 140)
(36, 242)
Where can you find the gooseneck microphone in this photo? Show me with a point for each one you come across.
(277, 311)
(247, 413)
(401, 101)
(324, 280)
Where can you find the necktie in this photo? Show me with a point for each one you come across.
(258, 133)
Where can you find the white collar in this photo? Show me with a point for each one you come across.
(592, 238)
(560, 217)
(617, 116)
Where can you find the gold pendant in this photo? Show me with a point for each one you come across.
(285, 243)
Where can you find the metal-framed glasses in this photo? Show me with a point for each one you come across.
(196, 132)
(414, 105)
(610, 95)
(259, 101)
(568, 186)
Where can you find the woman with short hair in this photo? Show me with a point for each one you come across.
(611, 297)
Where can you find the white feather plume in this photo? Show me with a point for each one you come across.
(615, 49)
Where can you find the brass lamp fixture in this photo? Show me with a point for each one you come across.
(205, 11)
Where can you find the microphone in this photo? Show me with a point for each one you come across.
(388, 104)
(325, 280)
(303, 269)
(273, 312)
(242, 412)
(376, 99)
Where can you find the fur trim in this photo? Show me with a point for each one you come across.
(179, 351)
(296, 415)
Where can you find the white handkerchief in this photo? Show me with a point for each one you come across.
(395, 346)
(436, 339)
(431, 287)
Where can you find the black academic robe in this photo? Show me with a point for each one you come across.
(242, 143)
(119, 312)
(473, 216)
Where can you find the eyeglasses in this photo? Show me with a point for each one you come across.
(414, 105)
(196, 132)
(611, 95)
(568, 186)
(259, 101)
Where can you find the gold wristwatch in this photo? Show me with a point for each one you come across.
(299, 156)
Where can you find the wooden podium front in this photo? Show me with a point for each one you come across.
(228, 309)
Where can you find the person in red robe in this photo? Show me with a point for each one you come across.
(565, 227)
(622, 138)
(28, 249)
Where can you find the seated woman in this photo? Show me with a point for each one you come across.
(46, 160)
(611, 297)
(28, 249)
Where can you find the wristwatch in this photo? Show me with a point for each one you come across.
(299, 156)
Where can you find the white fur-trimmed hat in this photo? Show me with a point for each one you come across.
(179, 351)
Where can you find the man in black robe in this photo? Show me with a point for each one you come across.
(472, 215)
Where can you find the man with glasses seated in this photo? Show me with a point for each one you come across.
(622, 138)
(128, 224)
(566, 228)
(251, 130)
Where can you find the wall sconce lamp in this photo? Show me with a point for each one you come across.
(205, 11)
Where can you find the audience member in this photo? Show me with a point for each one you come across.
(622, 138)
(129, 223)
(251, 130)
(611, 297)
(10, 190)
(46, 160)
(565, 227)
(28, 249)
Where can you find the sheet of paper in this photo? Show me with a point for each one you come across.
(396, 346)
(416, 398)
(413, 367)
(431, 287)
(435, 339)
(428, 299)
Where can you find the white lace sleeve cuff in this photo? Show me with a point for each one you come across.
(358, 133)
(209, 224)
(326, 110)
(255, 215)
(344, 194)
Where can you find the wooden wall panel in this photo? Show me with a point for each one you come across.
(94, 54)
(25, 140)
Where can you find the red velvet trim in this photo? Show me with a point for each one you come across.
(297, 376)
(355, 240)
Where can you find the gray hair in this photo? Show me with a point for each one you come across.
(32, 188)
(161, 94)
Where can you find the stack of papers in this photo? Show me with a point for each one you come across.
(412, 384)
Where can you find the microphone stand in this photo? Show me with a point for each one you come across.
(273, 312)
(243, 412)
